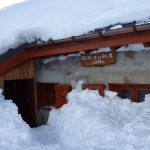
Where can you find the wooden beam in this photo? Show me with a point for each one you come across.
(65, 54)
(135, 30)
(13, 61)
(146, 44)
(114, 48)
(110, 41)
(88, 51)
(53, 42)
(74, 39)
(100, 34)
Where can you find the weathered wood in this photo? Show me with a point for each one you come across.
(97, 59)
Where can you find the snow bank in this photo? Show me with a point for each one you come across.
(91, 122)
(15, 134)
(87, 122)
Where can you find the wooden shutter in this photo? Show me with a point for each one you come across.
(60, 94)
(45, 95)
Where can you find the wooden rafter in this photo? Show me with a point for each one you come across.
(114, 48)
(74, 39)
(100, 34)
(146, 44)
(135, 30)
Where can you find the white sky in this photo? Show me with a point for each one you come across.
(5, 3)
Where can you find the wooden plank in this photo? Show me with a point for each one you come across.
(97, 59)
(1, 82)
(23, 71)
(15, 73)
(110, 41)
(8, 76)
(30, 70)
(60, 94)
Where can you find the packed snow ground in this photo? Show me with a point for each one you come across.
(24, 22)
(87, 122)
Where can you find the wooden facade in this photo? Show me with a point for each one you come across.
(22, 71)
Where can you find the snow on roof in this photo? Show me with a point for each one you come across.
(24, 22)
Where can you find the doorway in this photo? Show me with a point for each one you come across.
(21, 92)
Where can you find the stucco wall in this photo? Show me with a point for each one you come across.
(129, 67)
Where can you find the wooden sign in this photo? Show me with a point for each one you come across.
(97, 59)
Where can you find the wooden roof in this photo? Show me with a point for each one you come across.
(111, 38)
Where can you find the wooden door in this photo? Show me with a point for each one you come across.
(61, 92)
(22, 94)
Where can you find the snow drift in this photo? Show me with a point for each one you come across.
(15, 134)
(91, 122)
(87, 122)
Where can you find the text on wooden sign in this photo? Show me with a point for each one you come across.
(97, 59)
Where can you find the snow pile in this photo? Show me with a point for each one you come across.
(87, 122)
(91, 122)
(15, 134)
(110, 94)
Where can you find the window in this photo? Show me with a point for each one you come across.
(134, 92)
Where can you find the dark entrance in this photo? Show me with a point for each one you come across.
(22, 94)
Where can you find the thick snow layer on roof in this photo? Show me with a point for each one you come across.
(32, 19)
